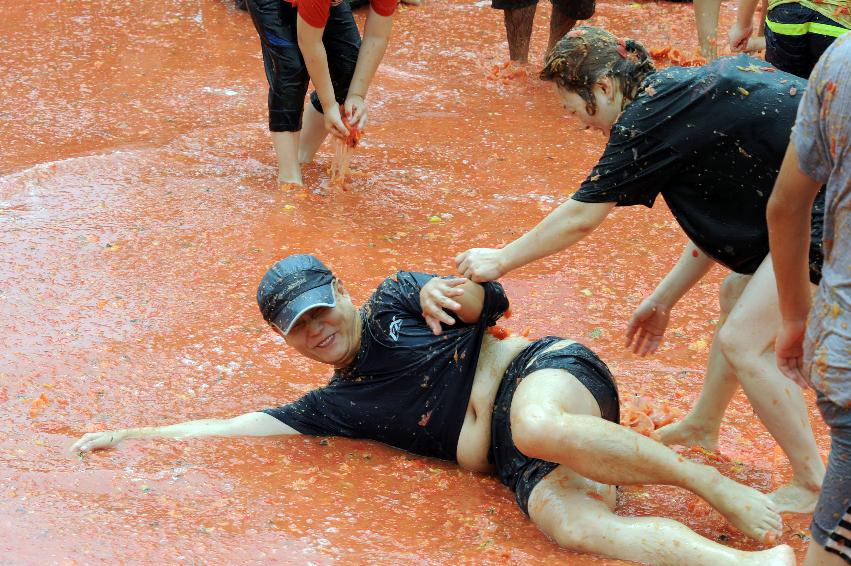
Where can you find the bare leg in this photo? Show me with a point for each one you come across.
(286, 149)
(560, 24)
(518, 28)
(763, 9)
(747, 341)
(817, 556)
(706, 17)
(555, 418)
(312, 135)
(577, 513)
(702, 423)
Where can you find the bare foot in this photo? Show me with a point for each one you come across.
(795, 498)
(685, 433)
(752, 512)
(782, 555)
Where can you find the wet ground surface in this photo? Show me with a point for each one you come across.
(138, 211)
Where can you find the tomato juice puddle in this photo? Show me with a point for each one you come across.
(139, 209)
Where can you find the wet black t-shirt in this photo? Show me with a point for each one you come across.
(406, 387)
(711, 140)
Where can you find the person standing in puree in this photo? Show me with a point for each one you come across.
(318, 41)
(664, 139)
(817, 353)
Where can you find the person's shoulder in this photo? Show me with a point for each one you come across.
(839, 52)
(834, 65)
(659, 93)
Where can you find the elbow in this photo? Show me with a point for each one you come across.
(583, 227)
(775, 210)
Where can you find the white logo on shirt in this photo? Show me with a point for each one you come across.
(395, 325)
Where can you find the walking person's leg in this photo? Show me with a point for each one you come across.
(518, 16)
(747, 341)
(702, 423)
(288, 79)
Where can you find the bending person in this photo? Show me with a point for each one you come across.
(415, 368)
(710, 140)
(318, 41)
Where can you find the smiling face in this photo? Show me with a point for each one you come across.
(608, 100)
(330, 335)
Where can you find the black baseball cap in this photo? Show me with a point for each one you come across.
(293, 286)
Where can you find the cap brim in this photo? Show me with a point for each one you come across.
(319, 297)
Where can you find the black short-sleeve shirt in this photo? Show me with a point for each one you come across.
(406, 387)
(711, 140)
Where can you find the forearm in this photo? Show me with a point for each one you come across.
(472, 302)
(789, 255)
(316, 60)
(745, 11)
(248, 424)
(563, 227)
(375, 40)
(690, 268)
(789, 212)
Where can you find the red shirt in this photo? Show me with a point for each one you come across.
(315, 12)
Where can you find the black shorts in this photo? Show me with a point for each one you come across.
(793, 42)
(816, 255)
(573, 9)
(275, 21)
(517, 471)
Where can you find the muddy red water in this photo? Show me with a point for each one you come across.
(138, 211)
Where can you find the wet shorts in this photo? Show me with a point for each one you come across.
(275, 21)
(573, 9)
(831, 526)
(816, 253)
(517, 471)
(796, 36)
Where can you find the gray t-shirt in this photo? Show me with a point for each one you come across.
(822, 138)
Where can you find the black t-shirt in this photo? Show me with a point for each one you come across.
(711, 140)
(406, 387)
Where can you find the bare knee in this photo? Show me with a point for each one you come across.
(731, 347)
(574, 534)
(740, 348)
(533, 427)
(731, 290)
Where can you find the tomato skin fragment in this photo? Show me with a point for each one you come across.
(499, 332)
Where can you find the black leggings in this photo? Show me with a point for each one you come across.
(515, 469)
(275, 21)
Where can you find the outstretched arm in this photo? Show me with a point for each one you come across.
(249, 424)
(648, 323)
(789, 211)
(563, 227)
